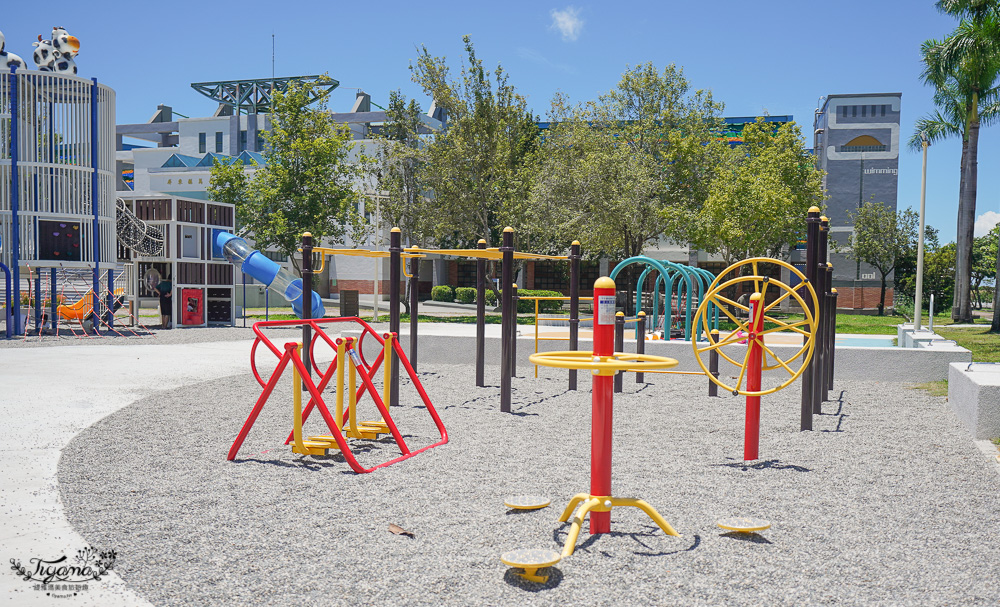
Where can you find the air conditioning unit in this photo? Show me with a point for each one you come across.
(868, 276)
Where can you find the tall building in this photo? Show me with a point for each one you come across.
(857, 144)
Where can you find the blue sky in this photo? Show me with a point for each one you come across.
(774, 56)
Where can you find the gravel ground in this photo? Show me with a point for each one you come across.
(887, 502)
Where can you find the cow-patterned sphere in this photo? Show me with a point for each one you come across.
(44, 55)
(8, 60)
(63, 42)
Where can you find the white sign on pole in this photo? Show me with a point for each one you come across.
(605, 309)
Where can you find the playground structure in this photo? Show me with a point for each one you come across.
(57, 172)
(607, 360)
(759, 356)
(60, 219)
(604, 363)
(676, 282)
(349, 361)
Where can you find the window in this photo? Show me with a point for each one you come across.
(260, 142)
(201, 143)
(243, 140)
(883, 110)
(854, 111)
(864, 111)
(218, 142)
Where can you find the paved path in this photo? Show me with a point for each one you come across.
(48, 396)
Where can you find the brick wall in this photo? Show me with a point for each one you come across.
(365, 287)
(862, 298)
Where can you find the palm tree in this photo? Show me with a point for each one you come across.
(968, 63)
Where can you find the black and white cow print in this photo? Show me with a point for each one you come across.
(56, 55)
(9, 60)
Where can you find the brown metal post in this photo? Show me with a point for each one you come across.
(820, 286)
(507, 316)
(833, 338)
(713, 368)
(414, 304)
(812, 258)
(481, 318)
(828, 331)
(640, 342)
(513, 333)
(395, 260)
(619, 345)
(307, 274)
(574, 304)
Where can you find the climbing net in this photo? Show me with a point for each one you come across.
(136, 233)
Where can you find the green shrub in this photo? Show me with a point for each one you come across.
(465, 295)
(491, 297)
(544, 306)
(443, 293)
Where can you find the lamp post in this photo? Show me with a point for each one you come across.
(919, 296)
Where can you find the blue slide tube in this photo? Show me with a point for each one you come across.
(256, 264)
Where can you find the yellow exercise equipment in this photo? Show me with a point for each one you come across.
(742, 335)
(531, 560)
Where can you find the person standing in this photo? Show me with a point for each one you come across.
(164, 289)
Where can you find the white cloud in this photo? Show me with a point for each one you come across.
(985, 223)
(568, 22)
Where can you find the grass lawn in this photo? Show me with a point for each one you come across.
(985, 346)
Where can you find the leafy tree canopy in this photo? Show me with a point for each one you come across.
(308, 184)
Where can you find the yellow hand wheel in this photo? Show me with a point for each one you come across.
(741, 337)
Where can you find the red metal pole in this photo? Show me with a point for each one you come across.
(600, 433)
(754, 364)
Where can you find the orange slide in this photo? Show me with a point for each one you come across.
(85, 306)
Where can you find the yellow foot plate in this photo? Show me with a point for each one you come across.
(327, 442)
(744, 524)
(531, 560)
(526, 502)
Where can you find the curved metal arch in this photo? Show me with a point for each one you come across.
(659, 265)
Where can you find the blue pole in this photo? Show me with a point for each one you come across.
(8, 319)
(53, 304)
(38, 299)
(244, 299)
(94, 202)
(267, 305)
(14, 201)
(111, 299)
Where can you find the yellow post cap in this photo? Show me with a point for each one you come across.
(829, 265)
(620, 314)
(755, 297)
(576, 242)
(714, 331)
(814, 209)
(309, 234)
(824, 218)
(514, 285)
(834, 291)
(395, 230)
(508, 229)
(482, 241)
(604, 283)
(641, 313)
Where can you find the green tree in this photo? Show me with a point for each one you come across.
(308, 181)
(939, 274)
(968, 61)
(904, 278)
(475, 168)
(882, 238)
(632, 166)
(984, 256)
(400, 160)
(761, 194)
